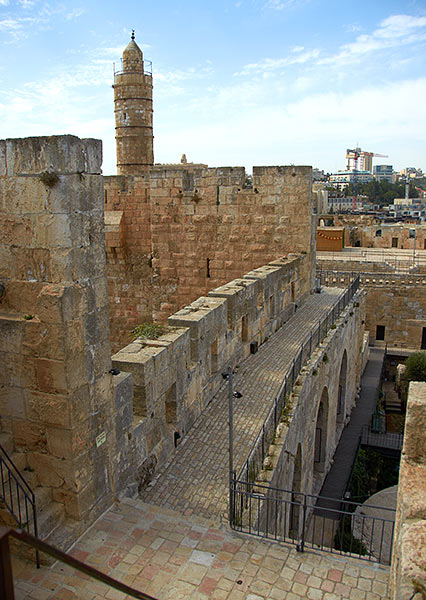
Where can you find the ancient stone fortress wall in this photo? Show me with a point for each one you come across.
(56, 390)
(315, 417)
(408, 569)
(175, 376)
(184, 230)
(396, 302)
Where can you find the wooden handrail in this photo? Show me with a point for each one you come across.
(6, 576)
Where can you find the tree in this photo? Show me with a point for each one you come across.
(415, 367)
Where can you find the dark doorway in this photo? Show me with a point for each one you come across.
(380, 333)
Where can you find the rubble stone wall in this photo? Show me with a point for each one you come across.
(408, 568)
(56, 395)
(185, 230)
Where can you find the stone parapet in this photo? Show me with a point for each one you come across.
(175, 376)
(408, 569)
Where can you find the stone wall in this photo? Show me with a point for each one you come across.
(184, 230)
(408, 569)
(391, 236)
(396, 302)
(56, 391)
(175, 376)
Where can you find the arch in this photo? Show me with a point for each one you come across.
(321, 433)
(341, 390)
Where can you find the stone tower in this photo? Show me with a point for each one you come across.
(133, 113)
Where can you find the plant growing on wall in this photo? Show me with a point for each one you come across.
(149, 331)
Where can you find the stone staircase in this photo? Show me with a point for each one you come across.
(52, 525)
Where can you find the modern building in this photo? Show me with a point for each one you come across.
(384, 173)
(342, 179)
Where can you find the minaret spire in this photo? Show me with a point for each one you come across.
(133, 112)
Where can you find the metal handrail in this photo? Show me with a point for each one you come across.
(297, 518)
(17, 495)
(6, 581)
(269, 426)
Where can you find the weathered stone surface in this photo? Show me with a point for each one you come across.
(415, 423)
(412, 549)
(56, 393)
(57, 154)
(408, 569)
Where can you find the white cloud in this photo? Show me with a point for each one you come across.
(272, 64)
(279, 4)
(394, 31)
(74, 14)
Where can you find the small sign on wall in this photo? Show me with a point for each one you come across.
(100, 439)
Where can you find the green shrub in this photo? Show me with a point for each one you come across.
(415, 367)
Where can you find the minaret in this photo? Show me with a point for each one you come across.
(133, 113)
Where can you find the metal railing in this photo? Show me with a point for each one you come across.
(329, 278)
(119, 70)
(402, 261)
(6, 575)
(293, 517)
(389, 440)
(17, 496)
(253, 464)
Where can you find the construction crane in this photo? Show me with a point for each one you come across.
(353, 156)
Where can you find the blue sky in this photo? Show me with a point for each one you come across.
(241, 82)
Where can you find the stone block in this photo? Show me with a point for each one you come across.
(12, 402)
(48, 409)
(58, 154)
(10, 334)
(412, 555)
(63, 443)
(29, 436)
(412, 490)
(51, 376)
(415, 423)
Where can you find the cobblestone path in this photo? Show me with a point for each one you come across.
(195, 479)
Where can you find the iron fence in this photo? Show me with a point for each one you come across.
(277, 413)
(389, 440)
(290, 516)
(17, 496)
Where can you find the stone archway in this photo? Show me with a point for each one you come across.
(321, 434)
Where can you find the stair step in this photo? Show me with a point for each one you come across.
(49, 518)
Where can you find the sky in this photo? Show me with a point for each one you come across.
(236, 82)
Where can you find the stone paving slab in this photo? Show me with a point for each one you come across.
(195, 479)
(172, 557)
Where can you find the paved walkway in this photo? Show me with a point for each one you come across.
(337, 478)
(179, 555)
(195, 479)
(172, 557)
